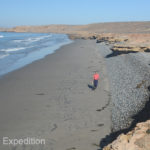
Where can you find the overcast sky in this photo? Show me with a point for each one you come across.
(44, 12)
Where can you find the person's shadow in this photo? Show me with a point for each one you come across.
(91, 87)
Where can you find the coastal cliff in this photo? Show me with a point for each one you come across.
(137, 139)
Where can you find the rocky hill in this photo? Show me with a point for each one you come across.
(116, 27)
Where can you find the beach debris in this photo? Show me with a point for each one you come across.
(93, 130)
(40, 94)
(104, 106)
(100, 125)
(100, 109)
(72, 148)
(94, 144)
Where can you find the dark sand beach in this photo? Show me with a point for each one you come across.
(50, 99)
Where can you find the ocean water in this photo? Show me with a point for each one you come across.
(20, 49)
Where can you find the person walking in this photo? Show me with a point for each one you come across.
(95, 80)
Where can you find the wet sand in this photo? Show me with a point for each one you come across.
(51, 99)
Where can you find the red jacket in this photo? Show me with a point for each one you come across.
(96, 76)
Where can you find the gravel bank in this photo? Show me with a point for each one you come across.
(129, 77)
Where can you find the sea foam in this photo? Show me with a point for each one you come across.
(20, 49)
(31, 40)
(13, 49)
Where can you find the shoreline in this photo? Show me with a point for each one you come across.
(50, 99)
(20, 55)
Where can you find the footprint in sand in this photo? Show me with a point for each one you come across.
(89, 67)
(55, 127)
(48, 105)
